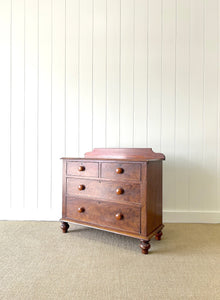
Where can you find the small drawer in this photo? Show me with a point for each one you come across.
(105, 214)
(82, 168)
(114, 191)
(82, 187)
(121, 171)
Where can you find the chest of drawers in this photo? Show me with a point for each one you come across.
(118, 190)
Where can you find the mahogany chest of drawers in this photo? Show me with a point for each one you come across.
(118, 190)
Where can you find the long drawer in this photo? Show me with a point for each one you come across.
(103, 213)
(116, 191)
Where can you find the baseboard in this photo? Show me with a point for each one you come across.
(191, 216)
(169, 216)
(30, 215)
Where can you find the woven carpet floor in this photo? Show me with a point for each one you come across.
(38, 261)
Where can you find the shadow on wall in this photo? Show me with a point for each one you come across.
(189, 186)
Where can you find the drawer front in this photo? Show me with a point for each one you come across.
(116, 191)
(82, 168)
(121, 171)
(102, 213)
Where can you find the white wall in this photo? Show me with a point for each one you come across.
(79, 74)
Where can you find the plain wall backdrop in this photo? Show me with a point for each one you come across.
(79, 74)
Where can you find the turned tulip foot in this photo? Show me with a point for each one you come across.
(158, 235)
(64, 226)
(145, 246)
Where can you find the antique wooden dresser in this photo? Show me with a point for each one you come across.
(118, 190)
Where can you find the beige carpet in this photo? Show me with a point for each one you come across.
(38, 261)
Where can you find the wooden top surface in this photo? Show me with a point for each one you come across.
(126, 154)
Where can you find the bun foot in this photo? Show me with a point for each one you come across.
(64, 226)
(145, 246)
(158, 236)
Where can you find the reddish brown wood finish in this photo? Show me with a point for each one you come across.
(119, 191)
(81, 209)
(109, 229)
(119, 170)
(102, 212)
(130, 171)
(119, 216)
(105, 190)
(154, 194)
(82, 168)
(158, 236)
(64, 226)
(116, 191)
(145, 246)
(81, 187)
(125, 153)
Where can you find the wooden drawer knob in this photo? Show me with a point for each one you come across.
(118, 216)
(119, 170)
(81, 209)
(81, 187)
(119, 191)
(81, 168)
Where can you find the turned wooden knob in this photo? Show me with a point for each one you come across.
(81, 168)
(118, 216)
(81, 187)
(119, 191)
(119, 170)
(81, 209)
